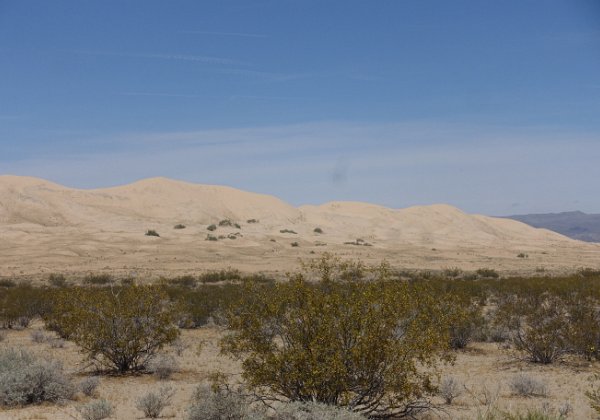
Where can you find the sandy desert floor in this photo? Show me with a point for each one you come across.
(484, 369)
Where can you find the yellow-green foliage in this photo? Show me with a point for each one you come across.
(366, 345)
(118, 328)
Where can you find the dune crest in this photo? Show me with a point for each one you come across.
(49, 226)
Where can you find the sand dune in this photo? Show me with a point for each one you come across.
(46, 227)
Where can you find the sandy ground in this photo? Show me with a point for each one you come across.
(484, 366)
(47, 228)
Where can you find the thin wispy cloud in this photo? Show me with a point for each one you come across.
(479, 168)
(232, 34)
(161, 95)
(177, 57)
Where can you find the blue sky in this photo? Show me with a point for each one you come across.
(492, 106)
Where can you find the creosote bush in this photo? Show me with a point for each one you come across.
(373, 344)
(119, 328)
(26, 379)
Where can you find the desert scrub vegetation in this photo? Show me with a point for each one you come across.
(211, 228)
(153, 403)
(96, 410)
(318, 230)
(179, 226)
(288, 231)
(152, 232)
(26, 379)
(369, 341)
(118, 328)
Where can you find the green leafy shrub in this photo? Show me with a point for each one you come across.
(118, 328)
(368, 341)
(538, 325)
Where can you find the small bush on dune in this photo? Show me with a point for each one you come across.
(249, 221)
(318, 230)
(153, 403)
(152, 232)
(211, 227)
(179, 226)
(210, 237)
(96, 410)
(25, 379)
(287, 231)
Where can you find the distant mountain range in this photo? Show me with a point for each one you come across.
(574, 224)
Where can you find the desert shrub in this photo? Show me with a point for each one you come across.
(467, 325)
(593, 394)
(153, 403)
(522, 255)
(182, 281)
(313, 411)
(2, 336)
(487, 273)
(538, 326)
(96, 410)
(38, 336)
(583, 334)
(450, 389)
(229, 274)
(25, 379)
(99, 279)
(57, 343)
(217, 402)
(251, 221)
(179, 226)
(57, 280)
(232, 236)
(88, 385)
(210, 237)
(211, 227)
(163, 366)
(318, 230)
(152, 232)
(287, 231)
(7, 283)
(19, 305)
(119, 328)
(295, 244)
(527, 386)
(225, 222)
(369, 341)
(237, 226)
(452, 272)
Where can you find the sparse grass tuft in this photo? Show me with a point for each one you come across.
(527, 386)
